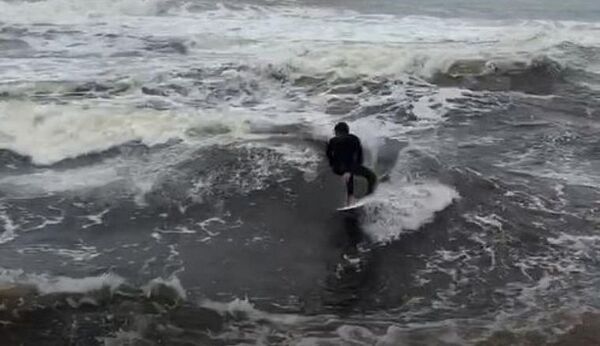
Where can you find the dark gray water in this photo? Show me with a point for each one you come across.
(162, 179)
(579, 10)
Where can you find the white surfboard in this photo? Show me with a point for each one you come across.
(359, 203)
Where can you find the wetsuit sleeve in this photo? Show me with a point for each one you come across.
(329, 152)
(358, 155)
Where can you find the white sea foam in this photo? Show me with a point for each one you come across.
(370, 45)
(46, 284)
(8, 227)
(50, 181)
(70, 11)
(79, 254)
(577, 242)
(314, 40)
(246, 308)
(402, 207)
(431, 333)
(95, 219)
(50, 133)
(485, 222)
(172, 282)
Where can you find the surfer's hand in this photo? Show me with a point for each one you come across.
(346, 177)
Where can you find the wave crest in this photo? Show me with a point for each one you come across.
(538, 75)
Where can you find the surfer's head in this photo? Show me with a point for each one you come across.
(341, 129)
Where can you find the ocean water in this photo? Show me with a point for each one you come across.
(163, 181)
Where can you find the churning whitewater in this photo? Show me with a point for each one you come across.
(163, 178)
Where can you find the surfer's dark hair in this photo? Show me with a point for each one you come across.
(342, 128)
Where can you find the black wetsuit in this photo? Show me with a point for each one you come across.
(345, 155)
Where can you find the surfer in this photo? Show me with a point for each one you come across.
(345, 155)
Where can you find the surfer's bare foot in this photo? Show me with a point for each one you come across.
(351, 200)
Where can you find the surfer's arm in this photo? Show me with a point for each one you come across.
(359, 154)
(329, 153)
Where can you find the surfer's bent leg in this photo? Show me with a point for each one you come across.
(350, 186)
(369, 175)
